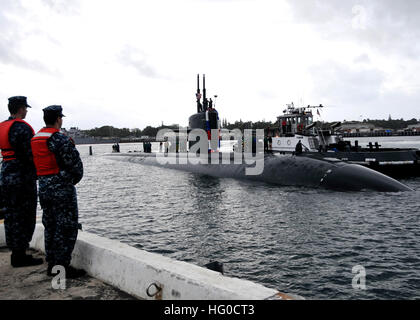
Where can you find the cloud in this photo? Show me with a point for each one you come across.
(64, 7)
(130, 56)
(13, 36)
(341, 84)
(359, 89)
(364, 58)
(9, 54)
(267, 95)
(391, 27)
(126, 54)
(369, 63)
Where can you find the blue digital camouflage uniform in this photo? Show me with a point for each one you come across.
(18, 187)
(58, 199)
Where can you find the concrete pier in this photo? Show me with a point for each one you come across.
(32, 283)
(138, 273)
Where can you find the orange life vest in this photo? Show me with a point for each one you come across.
(44, 160)
(7, 150)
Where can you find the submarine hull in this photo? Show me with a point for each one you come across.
(287, 170)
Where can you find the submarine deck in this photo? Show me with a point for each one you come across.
(32, 283)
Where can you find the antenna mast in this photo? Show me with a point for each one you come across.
(205, 102)
(198, 95)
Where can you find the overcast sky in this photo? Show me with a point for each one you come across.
(132, 63)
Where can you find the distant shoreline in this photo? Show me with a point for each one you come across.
(79, 141)
(92, 140)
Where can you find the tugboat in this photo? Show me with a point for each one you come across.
(296, 124)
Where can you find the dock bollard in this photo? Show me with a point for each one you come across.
(90, 150)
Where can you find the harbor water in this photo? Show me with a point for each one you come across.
(298, 240)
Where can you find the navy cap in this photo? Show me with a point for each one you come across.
(18, 101)
(55, 109)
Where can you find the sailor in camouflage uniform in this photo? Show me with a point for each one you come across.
(18, 182)
(59, 169)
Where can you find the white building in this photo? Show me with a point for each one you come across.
(414, 127)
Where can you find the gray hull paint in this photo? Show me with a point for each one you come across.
(288, 170)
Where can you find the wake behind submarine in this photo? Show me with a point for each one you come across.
(286, 170)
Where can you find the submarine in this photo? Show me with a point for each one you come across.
(275, 168)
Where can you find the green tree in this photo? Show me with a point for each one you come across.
(149, 131)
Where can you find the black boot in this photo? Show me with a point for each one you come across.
(20, 259)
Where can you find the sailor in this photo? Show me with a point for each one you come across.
(18, 182)
(300, 127)
(166, 146)
(283, 126)
(2, 208)
(298, 149)
(265, 144)
(270, 144)
(289, 126)
(59, 169)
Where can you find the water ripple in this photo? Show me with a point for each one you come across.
(299, 240)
